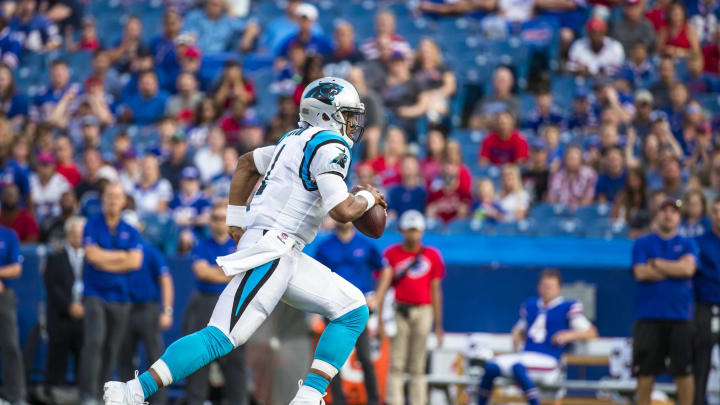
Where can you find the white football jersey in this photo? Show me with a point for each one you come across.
(288, 199)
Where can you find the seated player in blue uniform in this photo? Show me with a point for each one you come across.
(547, 324)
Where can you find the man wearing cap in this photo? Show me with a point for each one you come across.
(306, 15)
(47, 186)
(597, 54)
(172, 168)
(152, 295)
(643, 108)
(210, 281)
(707, 302)
(190, 207)
(663, 264)
(113, 248)
(415, 271)
(582, 116)
(633, 27)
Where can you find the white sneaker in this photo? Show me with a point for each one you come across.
(308, 396)
(121, 393)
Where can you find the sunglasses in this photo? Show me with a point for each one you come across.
(217, 218)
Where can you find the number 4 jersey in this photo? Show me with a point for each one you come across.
(544, 321)
(288, 198)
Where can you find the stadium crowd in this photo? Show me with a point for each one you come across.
(606, 104)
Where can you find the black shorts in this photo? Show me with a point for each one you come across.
(657, 341)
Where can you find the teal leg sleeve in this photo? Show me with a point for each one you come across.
(192, 352)
(339, 337)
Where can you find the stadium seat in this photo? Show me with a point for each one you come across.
(461, 226)
(506, 229)
(591, 212)
(543, 210)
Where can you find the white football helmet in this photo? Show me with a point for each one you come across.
(328, 102)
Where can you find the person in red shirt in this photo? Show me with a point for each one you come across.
(415, 271)
(233, 122)
(447, 200)
(505, 144)
(453, 154)
(17, 218)
(65, 165)
(387, 165)
(431, 163)
(656, 15)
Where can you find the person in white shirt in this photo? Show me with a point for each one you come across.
(595, 54)
(46, 187)
(514, 200)
(153, 194)
(208, 159)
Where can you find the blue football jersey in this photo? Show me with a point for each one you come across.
(543, 322)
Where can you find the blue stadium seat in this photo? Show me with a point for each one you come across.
(460, 226)
(558, 226)
(542, 211)
(506, 229)
(80, 65)
(592, 212)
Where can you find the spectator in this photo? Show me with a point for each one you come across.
(711, 54)
(663, 264)
(163, 45)
(707, 296)
(112, 250)
(609, 100)
(632, 203)
(129, 174)
(712, 191)
(204, 118)
(53, 229)
(35, 32)
(435, 147)
(234, 121)
(13, 105)
(678, 38)
(10, 48)
(17, 218)
(153, 194)
(387, 165)
(661, 89)
(612, 176)
(505, 144)
(128, 47)
(446, 199)
(656, 14)
(696, 80)
(695, 221)
(502, 99)
(47, 186)
(545, 112)
(315, 44)
(212, 28)
(536, 174)
(208, 159)
(13, 367)
(574, 184)
(641, 121)
(415, 271)
(541, 356)
(220, 184)
(152, 295)
(233, 86)
(177, 161)
(597, 54)
(355, 259)
(344, 53)
(374, 112)
(453, 155)
(65, 311)
(410, 194)
(65, 160)
(486, 207)
(435, 79)
(582, 118)
(514, 201)
(671, 174)
(638, 70)
(402, 94)
(210, 281)
(44, 102)
(280, 28)
(190, 207)
(385, 25)
(148, 105)
(183, 104)
(633, 28)
(92, 163)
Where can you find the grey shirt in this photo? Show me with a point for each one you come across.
(628, 33)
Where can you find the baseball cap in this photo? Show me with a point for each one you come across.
(595, 24)
(107, 173)
(307, 10)
(671, 202)
(643, 96)
(412, 219)
(45, 158)
(178, 136)
(190, 173)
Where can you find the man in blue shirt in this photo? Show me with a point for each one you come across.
(612, 178)
(411, 193)
(354, 258)
(707, 302)
(152, 294)
(44, 102)
(210, 281)
(13, 373)
(313, 43)
(112, 250)
(35, 32)
(214, 30)
(663, 264)
(148, 105)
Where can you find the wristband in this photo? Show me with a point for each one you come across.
(168, 310)
(235, 216)
(368, 197)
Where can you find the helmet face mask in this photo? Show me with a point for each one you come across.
(353, 125)
(333, 103)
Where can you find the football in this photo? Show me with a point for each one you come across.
(372, 222)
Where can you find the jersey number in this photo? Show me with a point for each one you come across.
(267, 175)
(538, 330)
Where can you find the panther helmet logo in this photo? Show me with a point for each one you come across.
(325, 92)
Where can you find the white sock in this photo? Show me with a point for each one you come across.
(135, 388)
(309, 393)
